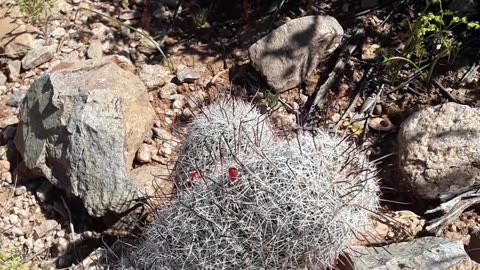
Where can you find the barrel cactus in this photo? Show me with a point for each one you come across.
(273, 204)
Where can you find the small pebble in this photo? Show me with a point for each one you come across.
(4, 166)
(14, 219)
(177, 104)
(188, 75)
(144, 154)
(20, 190)
(62, 244)
(17, 232)
(168, 91)
(60, 233)
(7, 177)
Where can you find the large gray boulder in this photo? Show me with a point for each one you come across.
(439, 150)
(80, 127)
(290, 53)
(423, 253)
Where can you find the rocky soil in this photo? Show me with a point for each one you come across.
(330, 76)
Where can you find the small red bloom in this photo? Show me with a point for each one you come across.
(196, 175)
(233, 174)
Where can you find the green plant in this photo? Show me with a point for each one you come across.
(200, 17)
(434, 38)
(32, 9)
(12, 262)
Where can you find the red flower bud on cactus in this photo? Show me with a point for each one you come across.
(233, 174)
(196, 176)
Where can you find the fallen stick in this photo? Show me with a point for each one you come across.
(319, 96)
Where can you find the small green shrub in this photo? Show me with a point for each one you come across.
(12, 262)
(32, 9)
(434, 37)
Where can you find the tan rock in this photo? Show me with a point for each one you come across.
(16, 38)
(153, 180)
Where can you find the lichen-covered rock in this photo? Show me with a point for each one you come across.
(439, 150)
(290, 53)
(80, 127)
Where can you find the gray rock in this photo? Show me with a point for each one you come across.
(467, 8)
(13, 67)
(153, 75)
(95, 49)
(439, 150)
(58, 33)
(188, 75)
(290, 53)
(16, 98)
(20, 190)
(80, 128)
(168, 91)
(44, 228)
(422, 253)
(3, 78)
(37, 56)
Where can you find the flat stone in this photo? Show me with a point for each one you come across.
(95, 49)
(37, 56)
(188, 75)
(47, 226)
(439, 150)
(290, 53)
(58, 33)
(422, 253)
